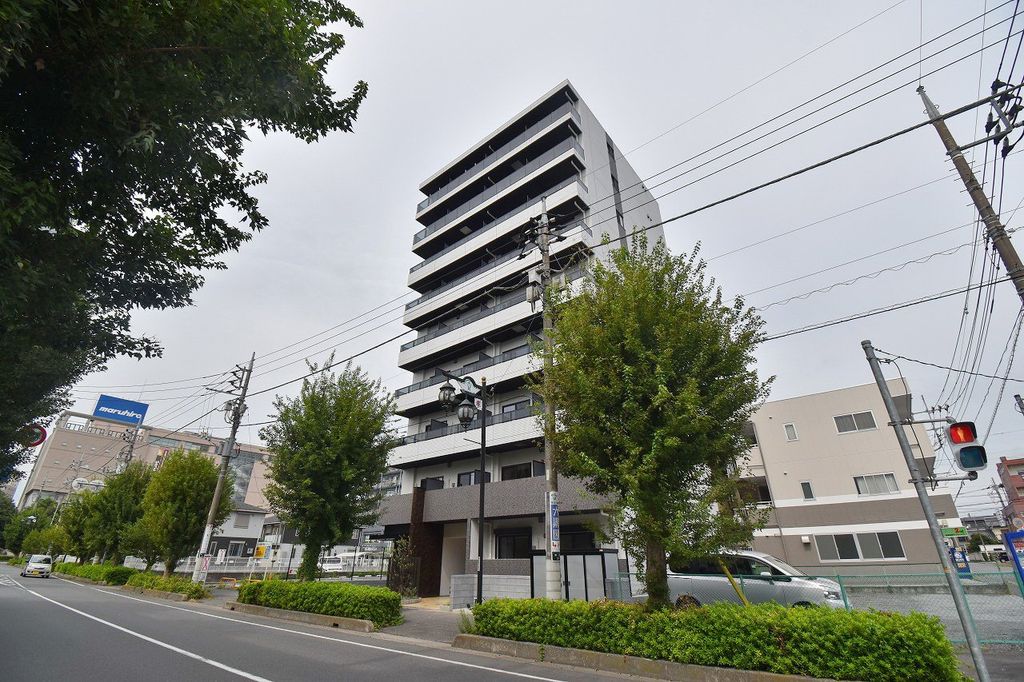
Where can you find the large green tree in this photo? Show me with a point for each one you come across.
(122, 128)
(114, 508)
(176, 503)
(329, 448)
(653, 382)
(74, 517)
(36, 517)
(7, 512)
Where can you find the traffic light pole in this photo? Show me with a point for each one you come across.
(952, 579)
(237, 410)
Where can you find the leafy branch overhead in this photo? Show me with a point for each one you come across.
(122, 127)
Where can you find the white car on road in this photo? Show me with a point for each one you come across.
(38, 565)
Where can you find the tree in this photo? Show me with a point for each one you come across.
(116, 507)
(176, 503)
(7, 512)
(139, 540)
(330, 447)
(653, 382)
(122, 128)
(976, 540)
(36, 517)
(73, 519)
(51, 540)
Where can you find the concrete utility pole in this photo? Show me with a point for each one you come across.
(237, 410)
(952, 579)
(994, 229)
(552, 564)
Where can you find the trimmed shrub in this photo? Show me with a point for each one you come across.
(101, 573)
(17, 561)
(176, 583)
(378, 604)
(816, 641)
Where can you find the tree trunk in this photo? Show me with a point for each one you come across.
(656, 575)
(309, 568)
(149, 565)
(169, 565)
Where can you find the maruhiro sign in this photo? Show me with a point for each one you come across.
(120, 410)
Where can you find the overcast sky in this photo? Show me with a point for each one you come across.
(444, 74)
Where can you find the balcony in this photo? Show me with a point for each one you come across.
(508, 265)
(505, 368)
(566, 109)
(466, 369)
(463, 321)
(494, 190)
(463, 246)
(439, 444)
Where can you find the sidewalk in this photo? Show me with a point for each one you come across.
(430, 618)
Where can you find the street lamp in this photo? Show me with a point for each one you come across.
(474, 402)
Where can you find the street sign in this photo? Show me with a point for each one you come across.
(959, 558)
(554, 534)
(34, 435)
(478, 403)
(955, 532)
(204, 568)
(261, 551)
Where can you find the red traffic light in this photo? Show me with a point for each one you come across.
(963, 432)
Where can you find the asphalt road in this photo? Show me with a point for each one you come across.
(58, 630)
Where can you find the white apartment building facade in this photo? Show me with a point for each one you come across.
(830, 470)
(474, 318)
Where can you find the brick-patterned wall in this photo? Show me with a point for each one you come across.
(508, 586)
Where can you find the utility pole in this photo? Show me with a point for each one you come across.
(994, 230)
(228, 448)
(1020, 403)
(952, 579)
(552, 564)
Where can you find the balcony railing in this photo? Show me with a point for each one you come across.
(476, 233)
(489, 266)
(499, 418)
(466, 369)
(567, 108)
(512, 300)
(500, 186)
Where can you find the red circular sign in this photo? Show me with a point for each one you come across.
(34, 435)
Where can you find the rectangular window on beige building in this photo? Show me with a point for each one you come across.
(859, 421)
(790, 431)
(860, 546)
(876, 484)
(808, 492)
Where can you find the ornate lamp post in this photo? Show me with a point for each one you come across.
(474, 402)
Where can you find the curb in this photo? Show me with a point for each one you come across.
(81, 581)
(171, 596)
(616, 663)
(302, 617)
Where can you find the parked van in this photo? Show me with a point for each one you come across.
(763, 578)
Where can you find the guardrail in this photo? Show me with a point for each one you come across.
(499, 418)
(466, 369)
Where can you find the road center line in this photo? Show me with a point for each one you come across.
(165, 645)
(330, 639)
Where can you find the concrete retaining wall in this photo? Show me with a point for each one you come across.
(463, 589)
(628, 665)
(302, 617)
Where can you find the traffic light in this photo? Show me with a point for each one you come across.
(968, 452)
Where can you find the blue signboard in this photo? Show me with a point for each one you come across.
(959, 558)
(120, 410)
(1015, 548)
(553, 524)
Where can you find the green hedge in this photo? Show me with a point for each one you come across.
(101, 573)
(175, 583)
(378, 604)
(17, 561)
(817, 641)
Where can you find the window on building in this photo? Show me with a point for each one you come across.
(876, 484)
(432, 483)
(235, 548)
(860, 546)
(514, 471)
(859, 421)
(471, 478)
(241, 520)
(577, 538)
(755, 489)
(512, 407)
(749, 433)
(808, 492)
(514, 543)
(790, 432)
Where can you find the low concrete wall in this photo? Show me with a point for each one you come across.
(302, 617)
(463, 590)
(627, 665)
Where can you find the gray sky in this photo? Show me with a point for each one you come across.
(444, 74)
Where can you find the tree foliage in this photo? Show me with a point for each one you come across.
(114, 508)
(122, 127)
(7, 512)
(50, 540)
(176, 503)
(73, 519)
(36, 517)
(139, 540)
(653, 381)
(330, 446)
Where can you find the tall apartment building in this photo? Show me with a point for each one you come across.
(473, 318)
(830, 470)
(1011, 475)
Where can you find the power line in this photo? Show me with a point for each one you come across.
(946, 367)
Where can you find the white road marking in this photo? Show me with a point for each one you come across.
(165, 645)
(330, 639)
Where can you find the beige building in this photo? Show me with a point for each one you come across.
(82, 450)
(830, 469)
